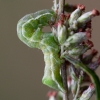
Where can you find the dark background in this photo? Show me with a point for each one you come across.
(21, 68)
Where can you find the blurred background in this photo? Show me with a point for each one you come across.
(21, 68)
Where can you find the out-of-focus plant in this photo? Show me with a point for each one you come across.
(68, 49)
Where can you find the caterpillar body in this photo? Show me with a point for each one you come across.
(29, 30)
(29, 24)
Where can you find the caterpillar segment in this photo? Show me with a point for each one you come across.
(52, 76)
(32, 24)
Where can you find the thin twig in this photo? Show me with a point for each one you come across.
(64, 78)
(61, 6)
(63, 67)
(55, 5)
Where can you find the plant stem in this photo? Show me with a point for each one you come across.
(64, 78)
(61, 6)
(63, 67)
(55, 5)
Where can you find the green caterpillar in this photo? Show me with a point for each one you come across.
(29, 30)
(54, 48)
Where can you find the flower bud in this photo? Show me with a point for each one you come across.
(75, 39)
(83, 19)
(73, 87)
(74, 25)
(72, 80)
(82, 89)
(69, 79)
(72, 72)
(87, 93)
(75, 14)
(77, 51)
(62, 33)
(52, 95)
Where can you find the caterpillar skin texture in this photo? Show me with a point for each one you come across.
(29, 30)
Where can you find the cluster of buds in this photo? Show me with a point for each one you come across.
(88, 93)
(73, 32)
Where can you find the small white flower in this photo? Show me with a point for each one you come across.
(75, 39)
(88, 93)
(76, 14)
(83, 19)
(62, 33)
